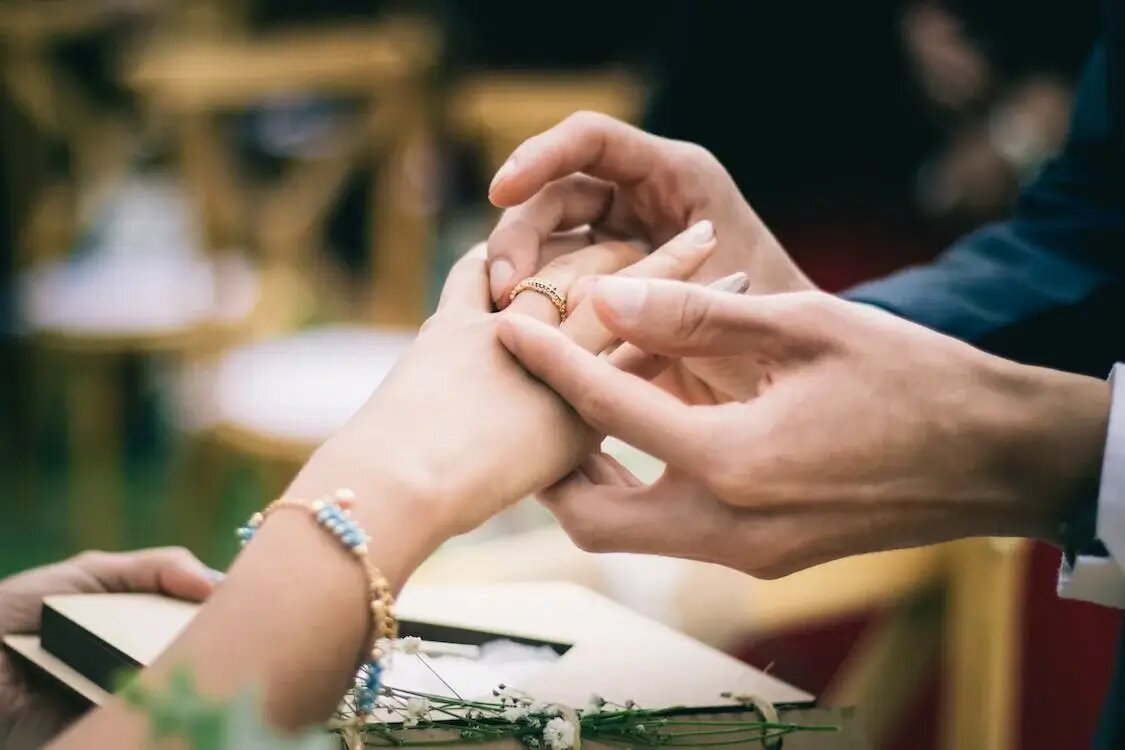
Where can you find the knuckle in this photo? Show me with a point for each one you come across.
(585, 535)
(179, 554)
(587, 119)
(693, 316)
(595, 405)
(725, 473)
(771, 569)
(92, 558)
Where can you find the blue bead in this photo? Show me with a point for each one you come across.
(322, 515)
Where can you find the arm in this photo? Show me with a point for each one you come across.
(1024, 287)
(429, 456)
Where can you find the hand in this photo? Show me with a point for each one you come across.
(593, 170)
(27, 717)
(459, 426)
(622, 182)
(868, 432)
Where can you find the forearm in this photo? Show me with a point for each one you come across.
(292, 617)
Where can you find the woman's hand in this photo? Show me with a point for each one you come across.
(458, 429)
(623, 182)
(27, 717)
(867, 432)
(592, 170)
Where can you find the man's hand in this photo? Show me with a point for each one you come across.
(867, 432)
(28, 718)
(593, 171)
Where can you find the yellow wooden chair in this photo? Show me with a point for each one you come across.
(276, 397)
(141, 289)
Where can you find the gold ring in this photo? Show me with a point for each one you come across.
(544, 287)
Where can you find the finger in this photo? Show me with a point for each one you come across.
(635, 361)
(608, 400)
(678, 259)
(602, 468)
(563, 271)
(639, 363)
(168, 570)
(515, 245)
(666, 518)
(586, 142)
(466, 286)
(678, 319)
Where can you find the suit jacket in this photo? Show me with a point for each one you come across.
(1048, 287)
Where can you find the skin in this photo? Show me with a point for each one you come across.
(28, 717)
(413, 457)
(839, 450)
(610, 179)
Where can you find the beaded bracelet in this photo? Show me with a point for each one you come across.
(332, 513)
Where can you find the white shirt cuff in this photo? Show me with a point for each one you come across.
(1093, 579)
(1102, 579)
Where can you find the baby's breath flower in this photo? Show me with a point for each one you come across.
(594, 705)
(516, 713)
(559, 734)
(544, 709)
(417, 710)
(411, 644)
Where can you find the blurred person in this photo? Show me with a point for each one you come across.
(800, 428)
(29, 715)
(999, 96)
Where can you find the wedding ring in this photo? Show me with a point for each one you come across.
(544, 287)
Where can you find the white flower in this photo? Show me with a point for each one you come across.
(559, 734)
(516, 713)
(417, 710)
(411, 644)
(511, 695)
(544, 709)
(594, 705)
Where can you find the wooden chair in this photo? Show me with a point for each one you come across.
(83, 316)
(275, 398)
(499, 110)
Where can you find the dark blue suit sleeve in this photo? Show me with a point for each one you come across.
(1020, 287)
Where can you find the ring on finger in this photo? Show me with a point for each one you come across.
(544, 287)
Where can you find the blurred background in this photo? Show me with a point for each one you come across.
(221, 219)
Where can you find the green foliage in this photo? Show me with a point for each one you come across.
(180, 712)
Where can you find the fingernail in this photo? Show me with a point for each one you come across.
(624, 296)
(214, 576)
(701, 232)
(502, 174)
(499, 274)
(736, 283)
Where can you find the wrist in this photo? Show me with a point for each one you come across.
(390, 492)
(1052, 443)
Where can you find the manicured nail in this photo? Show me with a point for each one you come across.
(736, 283)
(701, 232)
(499, 274)
(624, 296)
(502, 174)
(215, 576)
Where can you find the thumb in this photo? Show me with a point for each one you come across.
(674, 318)
(167, 570)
